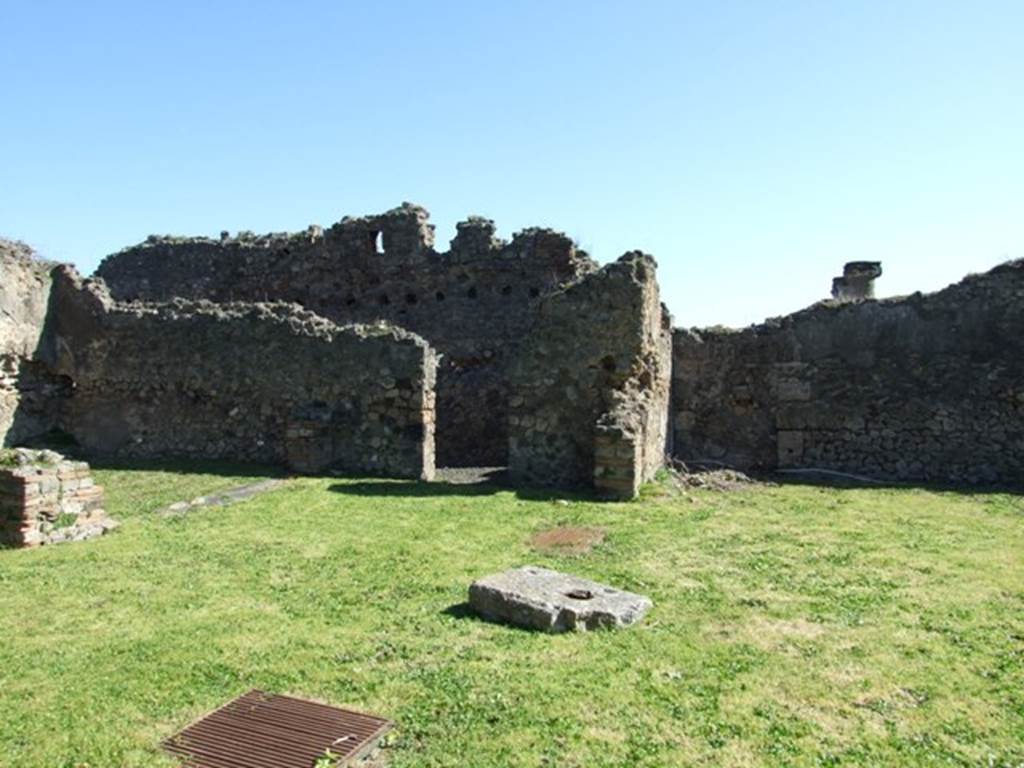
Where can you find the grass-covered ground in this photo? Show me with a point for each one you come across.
(792, 625)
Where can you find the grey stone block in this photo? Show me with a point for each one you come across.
(538, 598)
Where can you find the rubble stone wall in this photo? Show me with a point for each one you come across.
(926, 387)
(474, 303)
(47, 499)
(259, 382)
(30, 394)
(590, 388)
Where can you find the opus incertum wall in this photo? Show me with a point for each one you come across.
(30, 393)
(474, 303)
(590, 387)
(926, 387)
(317, 349)
(259, 382)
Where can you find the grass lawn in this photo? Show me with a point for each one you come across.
(792, 625)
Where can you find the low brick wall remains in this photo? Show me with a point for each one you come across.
(47, 499)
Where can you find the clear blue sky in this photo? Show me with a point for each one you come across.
(752, 147)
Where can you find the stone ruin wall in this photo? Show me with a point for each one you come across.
(474, 303)
(927, 387)
(590, 390)
(256, 382)
(30, 393)
(561, 368)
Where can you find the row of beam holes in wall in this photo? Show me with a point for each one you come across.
(411, 298)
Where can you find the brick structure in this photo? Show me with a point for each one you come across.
(47, 499)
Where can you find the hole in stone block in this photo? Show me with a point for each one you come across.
(580, 594)
(439, 296)
(534, 293)
(410, 298)
(506, 290)
(471, 293)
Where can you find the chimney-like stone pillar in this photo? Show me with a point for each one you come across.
(857, 282)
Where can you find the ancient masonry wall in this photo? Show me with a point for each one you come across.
(474, 303)
(590, 389)
(927, 387)
(259, 382)
(30, 394)
(46, 499)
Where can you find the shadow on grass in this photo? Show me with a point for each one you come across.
(466, 612)
(420, 489)
(218, 467)
(63, 443)
(462, 612)
(823, 479)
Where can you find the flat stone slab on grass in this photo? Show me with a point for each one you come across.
(538, 598)
(223, 498)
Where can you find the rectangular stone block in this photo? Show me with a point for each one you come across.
(549, 601)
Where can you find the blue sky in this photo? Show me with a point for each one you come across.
(752, 147)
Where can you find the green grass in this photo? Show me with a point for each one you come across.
(792, 625)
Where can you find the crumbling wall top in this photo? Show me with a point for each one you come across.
(402, 235)
(475, 237)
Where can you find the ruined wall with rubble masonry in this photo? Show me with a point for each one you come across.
(258, 382)
(558, 367)
(30, 393)
(590, 390)
(474, 303)
(926, 387)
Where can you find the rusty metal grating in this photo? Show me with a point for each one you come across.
(264, 730)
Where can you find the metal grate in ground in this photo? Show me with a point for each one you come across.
(263, 730)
